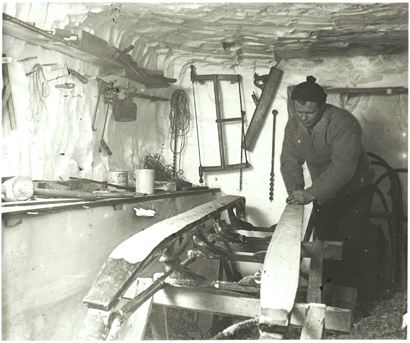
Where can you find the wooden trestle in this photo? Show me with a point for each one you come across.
(120, 300)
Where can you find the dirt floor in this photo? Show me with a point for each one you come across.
(384, 322)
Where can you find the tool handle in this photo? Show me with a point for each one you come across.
(96, 108)
(66, 85)
(77, 75)
(64, 194)
(104, 146)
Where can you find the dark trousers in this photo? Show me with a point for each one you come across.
(346, 219)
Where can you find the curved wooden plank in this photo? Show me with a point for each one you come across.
(261, 110)
(280, 274)
(128, 257)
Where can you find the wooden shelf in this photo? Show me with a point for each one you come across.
(33, 35)
(34, 207)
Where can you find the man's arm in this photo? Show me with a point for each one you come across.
(291, 162)
(346, 146)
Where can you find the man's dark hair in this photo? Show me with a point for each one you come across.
(309, 91)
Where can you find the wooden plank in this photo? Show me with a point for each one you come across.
(21, 30)
(270, 335)
(134, 328)
(94, 325)
(126, 259)
(219, 77)
(210, 301)
(262, 109)
(371, 90)
(280, 273)
(314, 322)
(27, 206)
(336, 319)
(235, 166)
(332, 250)
(29, 33)
(314, 293)
(219, 117)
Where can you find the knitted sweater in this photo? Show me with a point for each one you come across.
(333, 152)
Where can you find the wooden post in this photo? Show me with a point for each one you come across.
(314, 322)
(315, 275)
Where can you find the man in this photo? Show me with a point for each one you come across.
(329, 140)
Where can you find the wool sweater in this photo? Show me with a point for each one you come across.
(333, 152)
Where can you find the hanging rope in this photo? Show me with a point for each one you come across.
(39, 91)
(180, 122)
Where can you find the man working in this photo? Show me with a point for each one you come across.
(329, 140)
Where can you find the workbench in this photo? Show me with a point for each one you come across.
(54, 248)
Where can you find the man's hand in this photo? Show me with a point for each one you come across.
(300, 197)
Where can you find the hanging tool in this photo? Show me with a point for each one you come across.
(8, 97)
(272, 170)
(100, 91)
(103, 144)
(103, 87)
(110, 98)
(66, 85)
(216, 78)
(77, 75)
(269, 84)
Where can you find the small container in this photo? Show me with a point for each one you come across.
(144, 181)
(119, 178)
(19, 188)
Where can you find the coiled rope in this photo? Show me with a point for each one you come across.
(39, 91)
(180, 123)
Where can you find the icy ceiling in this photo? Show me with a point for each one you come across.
(271, 31)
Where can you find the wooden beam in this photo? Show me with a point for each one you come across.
(336, 319)
(314, 293)
(280, 273)
(262, 109)
(34, 35)
(370, 90)
(211, 301)
(314, 322)
(332, 250)
(136, 324)
(135, 252)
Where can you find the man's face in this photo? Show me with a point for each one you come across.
(309, 113)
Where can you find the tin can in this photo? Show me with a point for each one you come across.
(18, 188)
(119, 178)
(144, 181)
